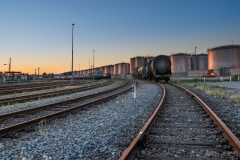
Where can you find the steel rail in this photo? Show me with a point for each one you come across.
(20, 126)
(35, 88)
(31, 84)
(129, 153)
(12, 100)
(13, 114)
(232, 139)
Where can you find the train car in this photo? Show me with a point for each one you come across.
(107, 76)
(142, 72)
(98, 75)
(157, 69)
(135, 73)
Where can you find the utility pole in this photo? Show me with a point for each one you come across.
(72, 55)
(38, 72)
(93, 63)
(9, 65)
(195, 60)
(89, 66)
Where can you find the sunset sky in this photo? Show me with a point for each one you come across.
(38, 33)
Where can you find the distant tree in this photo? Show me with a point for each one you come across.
(52, 75)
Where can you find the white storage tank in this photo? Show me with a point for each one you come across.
(227, 56)
(181, 64)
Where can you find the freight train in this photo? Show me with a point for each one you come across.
(96, 75)
(157, 69)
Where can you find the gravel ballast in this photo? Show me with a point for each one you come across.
(31, 104)
(101, 131)
(227, 111)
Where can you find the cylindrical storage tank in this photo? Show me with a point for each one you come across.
(193, 62)
(102, 69)
(97, 69)
(123, 68)
(83, 71)
(147, 59)
(201, 61)
(89, 70)
(181, 63)
(139, 61)
(224, 57)
(115, 72)
(132, 64)
(109, 69)
(127, 68)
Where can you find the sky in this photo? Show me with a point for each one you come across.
(38, 33)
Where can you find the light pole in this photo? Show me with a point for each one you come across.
(72, 55)
(79, 69)
(35, 75)
(89, 65)
(38, 72)
(9, 66)
(195, 60)
(93, 63)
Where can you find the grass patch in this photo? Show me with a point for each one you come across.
(212, 90)
(179, 81)
(43, 127)
(235, 99)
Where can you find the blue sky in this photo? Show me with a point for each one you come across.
(38, 33)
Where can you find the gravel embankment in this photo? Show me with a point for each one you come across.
(228, 112)
(101, 131)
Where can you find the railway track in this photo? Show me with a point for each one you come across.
(16, 121)
(183, 127)
(35, 87)
(24, 98)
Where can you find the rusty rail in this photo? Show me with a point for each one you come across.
(13, 114)
(232, 139)
(12, 90)
(129, 153)
(132, 149)
(12, 100)
(20, 126)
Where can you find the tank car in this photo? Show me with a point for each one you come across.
(157, 69)
(98, 75)
(142, 72)
(135, 73)
(107, 76)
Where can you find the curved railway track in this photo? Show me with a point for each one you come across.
(183, 127)
(35, 87)
(24, 98)
(16, 121)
